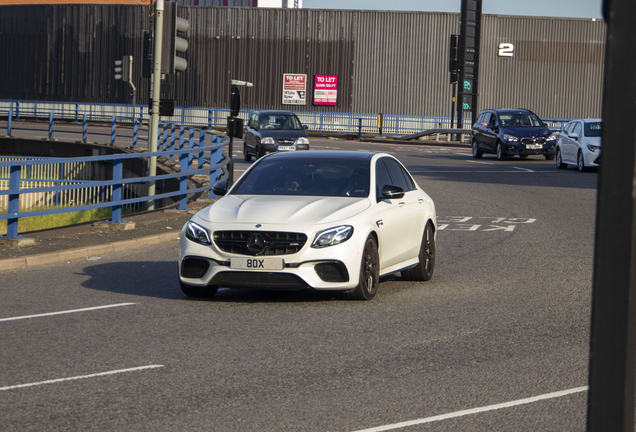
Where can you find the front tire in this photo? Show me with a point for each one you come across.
(423, 271)
(246, 155)
(580, 162)
(196, 291)
(476, 153)
(559, 160)
(369, 272)
(501, 154)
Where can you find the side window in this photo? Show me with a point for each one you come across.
(397, 174)
(253, 122)
(493, 121)
(569, 128)
(485, 119)
(577, 129)
(382, 177)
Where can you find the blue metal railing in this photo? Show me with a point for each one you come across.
(185, 152)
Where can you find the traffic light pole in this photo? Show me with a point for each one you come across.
(156, 96)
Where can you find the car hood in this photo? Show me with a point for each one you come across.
(283, 134)
(523, 132)
(267, 209)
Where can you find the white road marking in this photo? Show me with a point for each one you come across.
(477, 410)
(480, 162)
(13, 387)
(524, 169)
(484, 172)
(66, 312)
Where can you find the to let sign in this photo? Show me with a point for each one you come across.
(326, 90)
(294, 89)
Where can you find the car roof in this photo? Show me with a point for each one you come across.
(511, 111)
(273, 112)
(351, 156)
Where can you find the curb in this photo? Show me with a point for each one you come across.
(86, 252)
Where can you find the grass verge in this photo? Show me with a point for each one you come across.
(36, 223)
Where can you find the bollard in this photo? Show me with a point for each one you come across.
(135, 127)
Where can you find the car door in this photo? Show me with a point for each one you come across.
(479, 129)
(401, 227)
(567, 145)
(251, 132)
(490, 134)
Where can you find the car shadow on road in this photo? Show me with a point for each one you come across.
(159, 279)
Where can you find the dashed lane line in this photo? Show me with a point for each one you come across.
(95, 375)
(66, 312)
(477, 410)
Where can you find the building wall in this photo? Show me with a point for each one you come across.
(386, 62)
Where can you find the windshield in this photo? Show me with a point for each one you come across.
(593, 129)
(520, 120)
(312, 177)
(279, 122)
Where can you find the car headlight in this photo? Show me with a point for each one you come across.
(551, 137)
(198, 234)
(302, 140)
(268, 140)
(510, 138)
(332, 236)
(593, 148)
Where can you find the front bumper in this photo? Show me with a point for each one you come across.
(514, 148)
(332, 268)
(270, 148)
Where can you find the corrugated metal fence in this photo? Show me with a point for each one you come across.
(386, 62)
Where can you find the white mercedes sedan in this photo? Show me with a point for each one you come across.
(323, 220)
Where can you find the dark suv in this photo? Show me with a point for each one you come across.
(270, 131)
(510, 132)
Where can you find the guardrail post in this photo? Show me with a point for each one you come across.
(181, 138)
(172, 133)
(118, 171)
(84, 129)
(76, 112)
(17, 110)
(190, 146)
(165, 135)
(135, 127)
(209, 119)
(113, 131)
(200, 160)
(50, 126)
(14, 202)
(360, 129)
(183, 182)
(9, 121)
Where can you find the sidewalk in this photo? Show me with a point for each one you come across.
(88, 240)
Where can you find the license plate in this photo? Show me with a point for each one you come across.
(286, 148)
(257, 263)
(534, 146)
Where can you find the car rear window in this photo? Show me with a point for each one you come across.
(593, 129)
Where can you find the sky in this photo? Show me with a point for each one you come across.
(553, 8)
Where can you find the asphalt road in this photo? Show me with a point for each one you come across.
(500, 330)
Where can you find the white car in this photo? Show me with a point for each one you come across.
(326, 220)
(579, 143)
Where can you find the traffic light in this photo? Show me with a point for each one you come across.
(118, 69)
(123, 69)
(171, 43)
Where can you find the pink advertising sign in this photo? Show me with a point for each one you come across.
(326, 90)
(294, 89)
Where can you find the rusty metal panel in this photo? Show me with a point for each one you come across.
(556, 69)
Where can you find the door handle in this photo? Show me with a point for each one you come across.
(402, 204)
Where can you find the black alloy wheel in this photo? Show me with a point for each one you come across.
(369, 272)
(501, 153)
(476, 153)
(580, 162)
(246, 155)
(423, 271)
(559, 160)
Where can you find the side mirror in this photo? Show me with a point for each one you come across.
(574, 135)
(220, 188)
(391, 192)
(305, 127)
